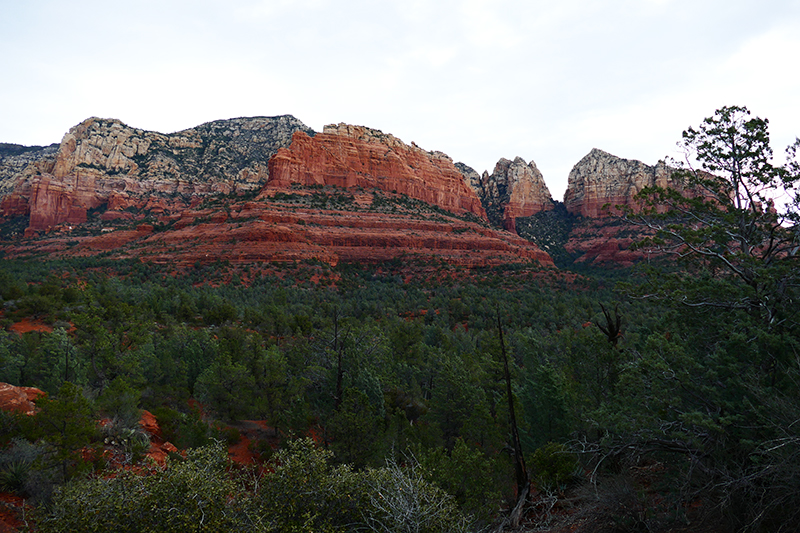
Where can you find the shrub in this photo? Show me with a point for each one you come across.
(14, 475)
(306, 492)
(402, 501)
(132, 442)
(192, 495)
(22, 470)
(553, 466)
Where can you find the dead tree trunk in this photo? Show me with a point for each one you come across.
(520, 471)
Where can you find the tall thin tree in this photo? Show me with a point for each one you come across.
(520, 471)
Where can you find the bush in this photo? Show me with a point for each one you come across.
(192, 495)
(13, 476)
(227, 434)
(184, 430)
(306, 492)
(400, 500)
(132, 442)
(22, 470)
(467, 474)
(553, 466)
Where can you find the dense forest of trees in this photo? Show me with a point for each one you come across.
(689, 369)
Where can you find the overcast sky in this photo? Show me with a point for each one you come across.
(476, 79)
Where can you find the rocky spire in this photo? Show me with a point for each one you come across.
(515, 189)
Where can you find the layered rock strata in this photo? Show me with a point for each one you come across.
(365, 226)
(18, 166)
(602, 242)
(515, 189)
(600, 187)
(600, 182)
(356, 156)
(348, 194)
(99, 158)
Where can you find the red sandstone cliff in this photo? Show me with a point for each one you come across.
(327, 224)
(133, 181)
(103, 158)
(515, 189)
(601, 179)
(356, 156)
(599, 183)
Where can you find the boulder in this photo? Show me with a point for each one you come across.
(19, 399)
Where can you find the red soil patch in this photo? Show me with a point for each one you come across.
(11, 511)
(27, 324)
(252, 431)
(240, 452)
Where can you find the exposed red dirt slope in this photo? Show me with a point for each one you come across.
(329, 225)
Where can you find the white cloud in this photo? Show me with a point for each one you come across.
(262, 9)
(486, 23)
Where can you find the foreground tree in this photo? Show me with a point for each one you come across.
(67, 425)
(720, 386)
(734, 222)
(196, 494)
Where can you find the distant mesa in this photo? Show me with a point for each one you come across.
(112, 188)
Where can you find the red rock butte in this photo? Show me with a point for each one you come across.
(120, 186)
(600, 181)
(346, 194)
(356, 156)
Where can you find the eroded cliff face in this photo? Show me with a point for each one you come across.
(515, 189)
(601, 179)
(347, 194)
(600, 185)
(99, 158)
(18, 166)
(356, 156)
(17, 160)
(230, 153)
